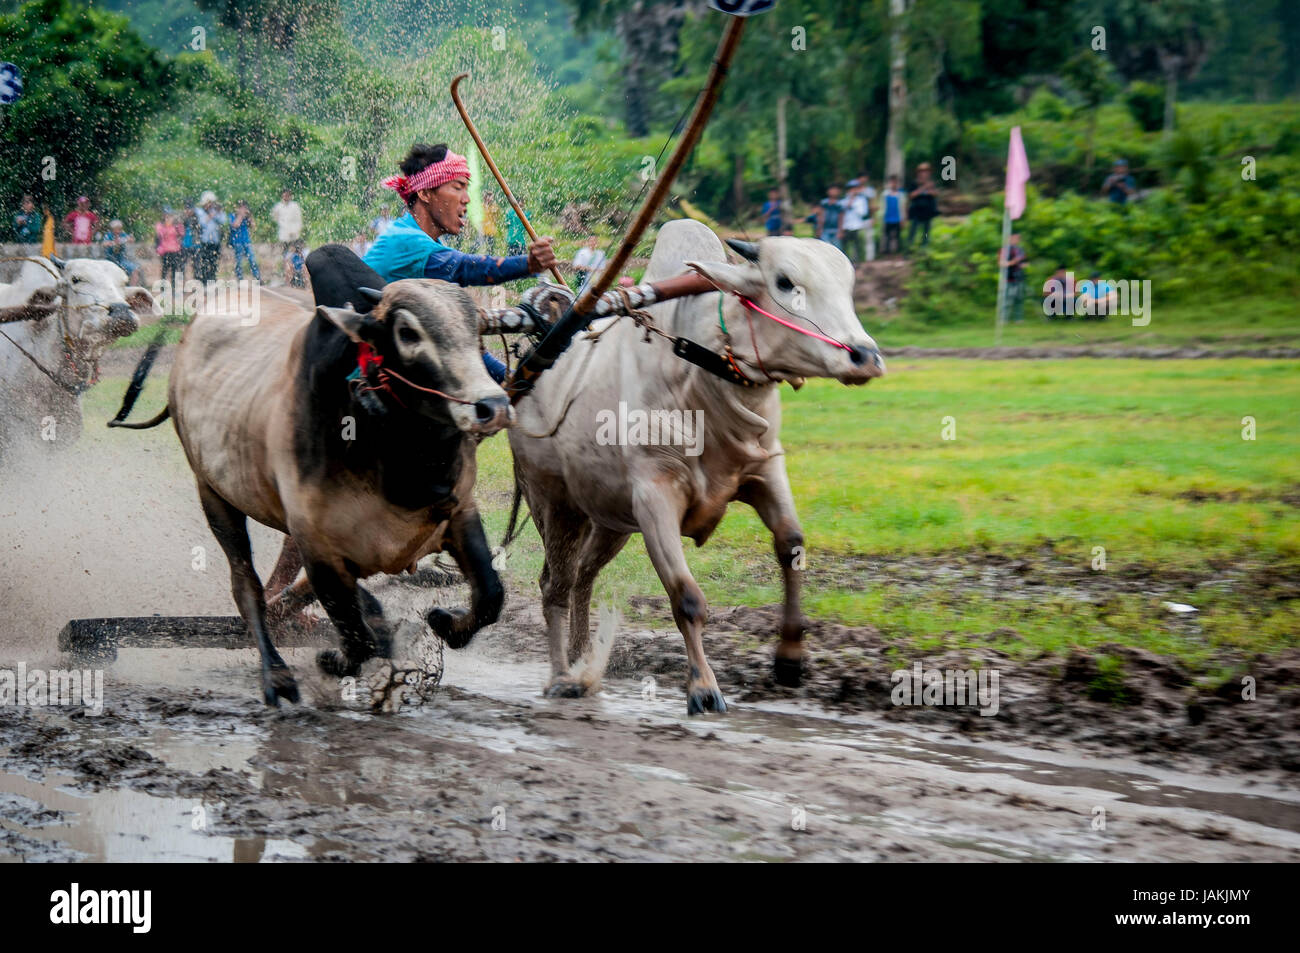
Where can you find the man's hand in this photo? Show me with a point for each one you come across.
(540, 255)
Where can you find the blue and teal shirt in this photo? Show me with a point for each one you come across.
(405, 251)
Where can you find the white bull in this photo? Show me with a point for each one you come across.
(592, 476)
(56, 322)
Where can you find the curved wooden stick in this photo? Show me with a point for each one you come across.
(483, 151)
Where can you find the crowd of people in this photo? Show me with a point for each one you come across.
(850, 217)
(188, 243)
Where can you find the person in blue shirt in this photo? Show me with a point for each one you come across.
(434, 184)
(1119, 186)
(241, 240)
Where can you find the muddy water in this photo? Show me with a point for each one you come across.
(185, 765)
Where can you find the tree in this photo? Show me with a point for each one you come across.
(1171, 39)
(244, 17)
(1088, 74)
(91, 85)
(649, 31)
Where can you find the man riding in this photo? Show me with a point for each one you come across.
(434, 184)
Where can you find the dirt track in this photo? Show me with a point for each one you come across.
(185, 763)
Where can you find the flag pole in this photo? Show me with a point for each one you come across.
(1002, 275)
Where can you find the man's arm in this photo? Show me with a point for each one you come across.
(448, 264)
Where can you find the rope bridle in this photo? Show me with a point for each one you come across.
(371, 376)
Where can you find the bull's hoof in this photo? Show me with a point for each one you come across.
(336, 664)
(279, 683)
(446, 624)
(788, 671)
(700, 700)
(563, 687)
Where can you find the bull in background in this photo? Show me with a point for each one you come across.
(588, 495)
(57, 320)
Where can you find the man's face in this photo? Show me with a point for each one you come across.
(83, 204)
(27, 203)
(447, 204)
(286, 196)
(833, 192)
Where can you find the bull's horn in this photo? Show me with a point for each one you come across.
(370, 294)
(59, 263)
(746, 250)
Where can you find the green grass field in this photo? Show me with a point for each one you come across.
(1252, 321)
(1049, 460)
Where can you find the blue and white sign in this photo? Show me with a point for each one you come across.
(11, 83)
(742, 8)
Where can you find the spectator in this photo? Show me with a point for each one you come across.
(381, 223)
(27, 223)
(80, 223)
(1013, 259)
(1058, 290)
(1119, 185)
(241, 241)
(287, 215)
(922, 206)
(828, 217)
(190, 242)
(210, 219)
(516, 234)
(787, 231)
(859, 242)
(1097, 298)
(893, 204)
(773, 212)
(169, 234)
(294, 264)
(117, 249)
(588, 260)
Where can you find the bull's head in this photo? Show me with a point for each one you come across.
(100, 305)
(807, 284)
(427, 331)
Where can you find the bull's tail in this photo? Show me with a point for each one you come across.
(145, 425)
(141, 374)
(511, 530)
(588, 670)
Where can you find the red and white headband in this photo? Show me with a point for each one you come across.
(452, 166)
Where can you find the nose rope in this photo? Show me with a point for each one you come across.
(793, 327)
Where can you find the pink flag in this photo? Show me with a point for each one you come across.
(1017, 174)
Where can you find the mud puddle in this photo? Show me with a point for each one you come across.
(185, 764)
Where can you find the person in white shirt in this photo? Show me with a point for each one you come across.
(859, 239)
(588, 260)
(287, 215)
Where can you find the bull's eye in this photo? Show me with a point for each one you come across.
(76, 281)
(407, 335)
(784, 284)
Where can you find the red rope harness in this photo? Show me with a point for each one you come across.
(368, 359)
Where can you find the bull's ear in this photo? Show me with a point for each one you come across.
(142, 302)
(351, 323)
(745, 278)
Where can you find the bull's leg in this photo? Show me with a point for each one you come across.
(771, 497)
(469, 547)
(230, 526)
(343, 603)
(562, 529)
(286, 568)
(598, 548)
(659, 512)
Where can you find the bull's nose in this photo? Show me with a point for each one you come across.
(121, 320)
(492, 413)
(867, 363)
